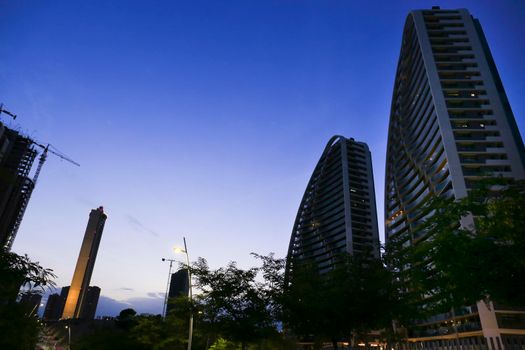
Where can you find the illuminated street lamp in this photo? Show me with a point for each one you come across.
(190, 292)
(68, 337)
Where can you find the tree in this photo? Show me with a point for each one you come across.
(126, 319)
(223, 344)
(18, 271)
(233, 304)
(351, 299)
(152, 333)
(483, 257)
(272, 287)
(18, 326)
(108, 339)
(472, 250)
(398, 258)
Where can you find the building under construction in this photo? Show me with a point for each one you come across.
(17, 154)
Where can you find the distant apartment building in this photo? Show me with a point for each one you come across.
(89, 306)
(53, 311)
(337, 214)
(55, 305)
(179, 286)
(450, 125)
(79, 297)
(16, 159)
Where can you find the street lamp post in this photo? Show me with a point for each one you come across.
(167, 287)
(190, 292)
(68, 337)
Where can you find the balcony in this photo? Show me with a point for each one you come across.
(464, 84)
(455, 106)
(474, 136)
(485, 170)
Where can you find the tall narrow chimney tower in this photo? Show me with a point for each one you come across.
(85, 264)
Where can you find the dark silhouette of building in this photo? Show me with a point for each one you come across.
(451, 125)
(338, 211)
(89, 306)
(16, 159)
(55, 305)
(78, 290)
(31, 301)
(179, 286)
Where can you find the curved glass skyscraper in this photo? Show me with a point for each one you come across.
(450, 126)
(338, 211)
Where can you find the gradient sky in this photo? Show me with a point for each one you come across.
(201, 119)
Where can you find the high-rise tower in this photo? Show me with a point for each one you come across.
(78, 291)
(179, 286)
(450, 126)
(55, 305)
(338, 211)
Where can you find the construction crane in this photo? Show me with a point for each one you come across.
(28, 190)
(29, 185)
(43, 158)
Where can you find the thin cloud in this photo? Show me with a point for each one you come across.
(139, 226)
(155, 295)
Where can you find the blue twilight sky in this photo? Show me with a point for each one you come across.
(201, 119)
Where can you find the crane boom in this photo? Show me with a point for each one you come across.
(46, 149)
(64, 158)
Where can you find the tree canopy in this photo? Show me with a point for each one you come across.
(234, 305)
(472, 250)
(18, 326)
(349, 301)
